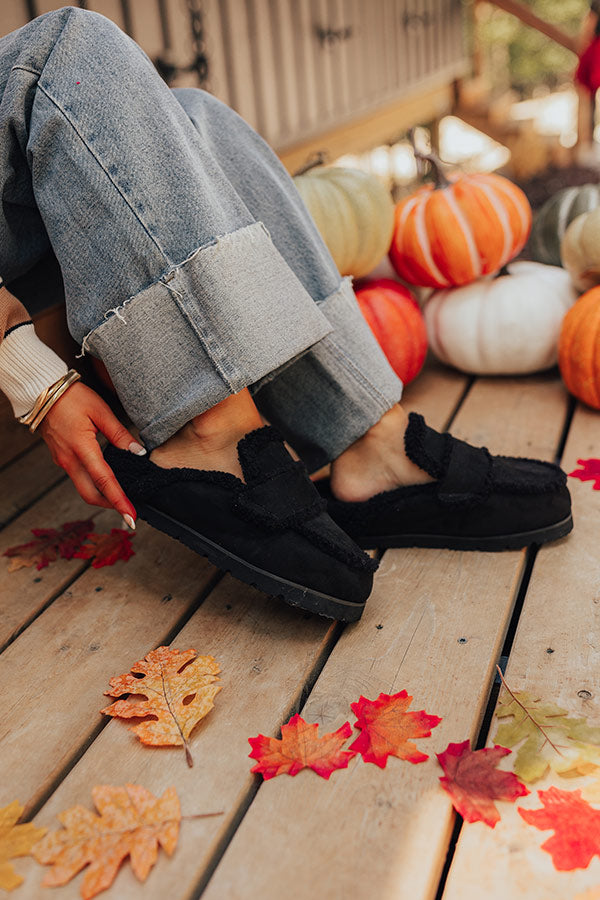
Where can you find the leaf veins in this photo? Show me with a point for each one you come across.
(301, 747)
(130, 822)
(387, 727)
(176, 689)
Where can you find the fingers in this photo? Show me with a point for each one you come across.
(106, 422)
(104, 481)
(85, 487)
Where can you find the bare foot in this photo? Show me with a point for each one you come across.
(210, 440)
(376, 462)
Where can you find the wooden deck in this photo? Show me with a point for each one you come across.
(435, 625)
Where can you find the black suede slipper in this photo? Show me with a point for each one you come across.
(477, 501)
(271, 532)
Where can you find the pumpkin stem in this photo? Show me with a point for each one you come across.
(317, 159)
(435, 162)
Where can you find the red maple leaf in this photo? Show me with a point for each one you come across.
(106, 549)
(590, 471)
(386, 728)
(301, 747)
(474, 782)
(49, 544)
(576, 827)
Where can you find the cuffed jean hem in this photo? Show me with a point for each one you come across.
(333, 394)
(223, 319)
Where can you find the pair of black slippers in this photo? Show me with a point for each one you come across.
(290, 538)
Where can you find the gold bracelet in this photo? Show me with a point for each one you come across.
(46, 394)
(48, 398)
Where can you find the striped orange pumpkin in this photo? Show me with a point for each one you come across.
(578, 356)
(456, 231)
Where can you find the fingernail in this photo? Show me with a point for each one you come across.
(136, 448)
(128, 519)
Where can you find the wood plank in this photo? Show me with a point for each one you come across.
(561, 612)
(435, 393)
(25, 480)
(147, 29)
(434, 626)
(26, 592)
(108, 619)
(15, 438)
(358, 134)
(266, 651)
(532, 412)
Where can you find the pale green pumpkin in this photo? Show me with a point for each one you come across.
(354, 213)
(580, 250)
(555, 216)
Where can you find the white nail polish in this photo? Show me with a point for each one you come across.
(136, 448)
(129, 522)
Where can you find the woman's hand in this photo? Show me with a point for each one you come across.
(70, 429)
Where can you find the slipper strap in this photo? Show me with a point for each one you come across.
(285, 498)
(467, 479)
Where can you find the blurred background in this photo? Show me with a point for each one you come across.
(489, 85)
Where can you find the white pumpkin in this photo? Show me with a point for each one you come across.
(354, 213)
(508, 325)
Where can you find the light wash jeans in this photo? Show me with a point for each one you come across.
(191, 266)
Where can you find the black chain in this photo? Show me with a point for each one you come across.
(200, 63)
(169, 70)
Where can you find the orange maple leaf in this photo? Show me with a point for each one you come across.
(178, 693)
(15, 840)
(106, 549)
(576, 826)
(300, 747)
(49, 544)
(473, 781)
(131, 822)
(386, 727)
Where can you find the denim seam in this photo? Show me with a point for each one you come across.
(26, 69)
(211, 346)
(359, 376)
(61, 109)
(231, 374)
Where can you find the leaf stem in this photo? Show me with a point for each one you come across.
(526, 711)
(188, 756)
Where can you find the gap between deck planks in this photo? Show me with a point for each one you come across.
(561, 612)
(25, 480)
(54, 673)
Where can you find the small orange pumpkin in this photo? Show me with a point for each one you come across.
(578, 356)
(397, 322)
(454, 231)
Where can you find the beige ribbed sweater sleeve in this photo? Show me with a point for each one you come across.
(27, 366)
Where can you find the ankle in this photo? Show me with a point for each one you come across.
(376, 462)
(209, 441)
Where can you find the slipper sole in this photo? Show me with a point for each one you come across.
(495, 542)
(288, 591)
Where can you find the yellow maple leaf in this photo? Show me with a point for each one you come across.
(176, 688)
(131, 822)
(548, 736)
(15, 840)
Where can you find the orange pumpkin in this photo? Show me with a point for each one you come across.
(578, 355)
(457, 230)
(397, 322)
